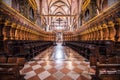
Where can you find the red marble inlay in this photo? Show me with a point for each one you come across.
(65, 70)
(34, 63)
(66, 78)
(39, 70)
(43, 64)
(50, 78)
(78, 70)
(52, 70)
(27, 70)
(34, 78)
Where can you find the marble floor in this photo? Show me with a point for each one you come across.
(57, 63)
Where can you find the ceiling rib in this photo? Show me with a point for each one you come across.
(59, 15)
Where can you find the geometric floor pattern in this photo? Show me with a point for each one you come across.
(42, 67)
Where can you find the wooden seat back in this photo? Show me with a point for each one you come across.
(3, 59)
(21, 61)
(102, 59)
(112, 60)
(12, 60)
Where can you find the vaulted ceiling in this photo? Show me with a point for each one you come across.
(60, 7)
(60, 14)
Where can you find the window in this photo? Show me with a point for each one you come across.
(87, 15)
(31, 14)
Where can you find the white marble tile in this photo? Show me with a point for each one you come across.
(59, 75)
(47, 67)
(59, 67)
(39, 62)
(86, 75)
(29, 74)
(73, 75)
(70, 67)
(26, 66)
(77, 62)
(86, 62)
(37, 58)
(81, 67)
(44, 75)
(74, 59)
(30, 62)
(36, 67)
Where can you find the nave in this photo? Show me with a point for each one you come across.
(58, 63)
(89, 30)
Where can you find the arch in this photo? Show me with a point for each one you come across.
(59, 13)
(59, 2)
(59, 7)
(87, 14)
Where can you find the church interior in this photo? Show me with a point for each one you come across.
(59, 39)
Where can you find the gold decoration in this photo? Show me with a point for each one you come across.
(14, 25)
(110, 24)
(8, 23)
(33, 4)
(85, 4)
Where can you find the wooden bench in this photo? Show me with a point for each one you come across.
(84, 48)
(25, 48)
(110, 75)
(10, 67)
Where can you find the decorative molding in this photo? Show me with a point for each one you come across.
(85, 4)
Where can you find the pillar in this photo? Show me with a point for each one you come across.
(12, 31)
(117, 27)
(112, 31)
(100, 32)
(6, 30)
(17, 33)
(105, 32)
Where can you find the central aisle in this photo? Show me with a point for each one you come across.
(57, 63)
(59, 52)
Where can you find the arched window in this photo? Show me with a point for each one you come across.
(31, 13)
(87, 14)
